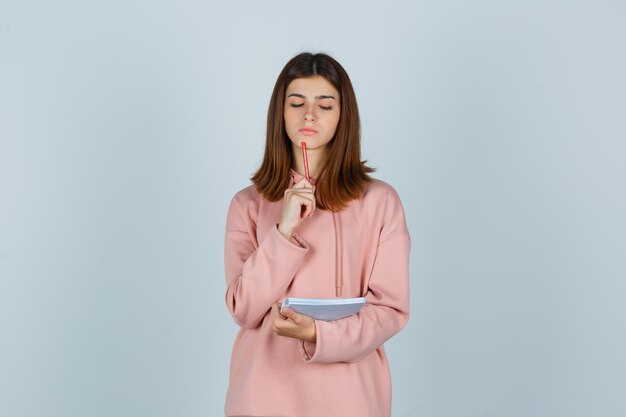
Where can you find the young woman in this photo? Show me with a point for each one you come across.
(341, 234)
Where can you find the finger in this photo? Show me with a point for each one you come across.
(303, 183)
(299, 191)
(281, 311)
(300, 188)
(295, 317)
(287, 312)
(303, 199)
(312, 206)
(278, 316)
(274, 318)
(309, 206)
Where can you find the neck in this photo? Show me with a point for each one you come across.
(315, 156)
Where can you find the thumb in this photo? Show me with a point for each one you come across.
(289, 313)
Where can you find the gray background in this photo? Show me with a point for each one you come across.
(127, 126)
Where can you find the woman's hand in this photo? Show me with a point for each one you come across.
(292, 324)
(298, 204)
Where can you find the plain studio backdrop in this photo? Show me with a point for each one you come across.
(127, 126)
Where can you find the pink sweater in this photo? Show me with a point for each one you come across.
(361, 251)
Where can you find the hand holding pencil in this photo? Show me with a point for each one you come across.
(298, 202)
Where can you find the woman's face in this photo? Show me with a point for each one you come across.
(311, 112)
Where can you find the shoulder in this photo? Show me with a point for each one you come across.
(381, 203)
(246, 195)
(381, 192)
(244, 203)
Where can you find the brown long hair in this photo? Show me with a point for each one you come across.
(343, 176)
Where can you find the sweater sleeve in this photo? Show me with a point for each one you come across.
(387, 308)
(256, 274)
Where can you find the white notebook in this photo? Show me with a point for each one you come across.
(324, 308)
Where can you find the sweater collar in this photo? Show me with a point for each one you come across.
(295, 176)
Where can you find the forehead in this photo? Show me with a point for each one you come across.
(312, 86)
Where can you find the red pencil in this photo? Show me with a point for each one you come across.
(306, 162)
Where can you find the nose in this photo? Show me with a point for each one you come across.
(309, 116)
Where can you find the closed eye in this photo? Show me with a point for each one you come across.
(326, 107)
(297, 105)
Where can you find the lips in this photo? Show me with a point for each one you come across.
(308, 131)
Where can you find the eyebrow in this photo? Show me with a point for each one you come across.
(316, 97)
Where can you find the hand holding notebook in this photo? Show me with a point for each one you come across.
(326, 309)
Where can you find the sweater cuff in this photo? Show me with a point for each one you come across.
(295, 240)
(308, 349)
